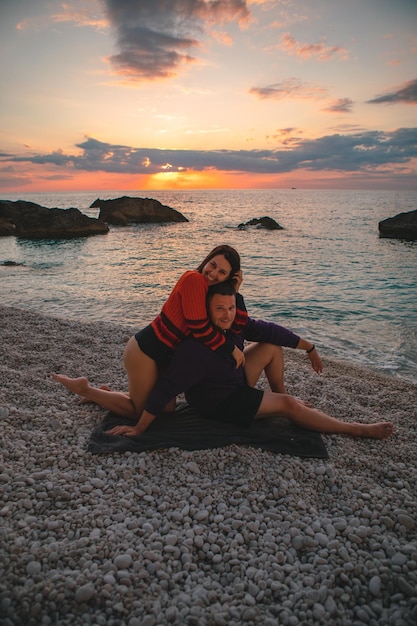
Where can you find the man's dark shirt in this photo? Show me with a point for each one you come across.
(207, 378)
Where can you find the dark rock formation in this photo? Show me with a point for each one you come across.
(32, 221)
(11, 263)
(7, 228)
(262, 222)
(401, 226)
(126, 210)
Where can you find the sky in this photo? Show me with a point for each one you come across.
(194, 94)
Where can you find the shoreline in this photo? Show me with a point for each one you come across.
(225, 536)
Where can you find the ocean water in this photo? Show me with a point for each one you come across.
(327, 276)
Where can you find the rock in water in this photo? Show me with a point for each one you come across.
(33, 221)
(401, 226)
(262, 222)
(127, 210)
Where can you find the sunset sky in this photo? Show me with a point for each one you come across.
(158, 94)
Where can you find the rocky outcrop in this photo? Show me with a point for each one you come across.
(262, 222)
(11, 263)
(32, 221)
(401, 226)
(127, 210)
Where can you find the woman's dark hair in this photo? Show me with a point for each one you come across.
(230, 254)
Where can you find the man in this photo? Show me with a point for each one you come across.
(220, 391)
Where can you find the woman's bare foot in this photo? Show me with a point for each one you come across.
(380, 430)
(79, 386)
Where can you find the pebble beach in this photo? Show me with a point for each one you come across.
(222, 537)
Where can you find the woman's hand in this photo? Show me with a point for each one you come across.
(128, 431)
(238, 356)
(237, 279)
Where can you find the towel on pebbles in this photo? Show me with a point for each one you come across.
(188, 431)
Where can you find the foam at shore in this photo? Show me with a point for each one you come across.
(226, 536)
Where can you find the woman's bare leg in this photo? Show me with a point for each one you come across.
(268, 357)
(287, 406)
(142, 374)
(105, 387)
(115, 401)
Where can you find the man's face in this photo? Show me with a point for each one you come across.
(222, 311)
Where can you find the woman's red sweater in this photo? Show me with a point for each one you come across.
(185, 313)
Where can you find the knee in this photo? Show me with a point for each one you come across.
(277, 351)
(271, 351)
(290, 404)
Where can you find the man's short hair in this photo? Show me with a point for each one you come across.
(225, 288)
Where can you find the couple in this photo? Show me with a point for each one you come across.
(196, 346)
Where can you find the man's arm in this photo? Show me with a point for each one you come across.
(188, 366)
(269, 332)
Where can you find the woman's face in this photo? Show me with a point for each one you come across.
(216, 270)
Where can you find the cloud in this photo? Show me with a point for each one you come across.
(342, 105)
(320, 50)
(289, 88)
(363, 151)
(155, 38)
(222, 37)
(407, 93)
(56, 158)
(81, 16)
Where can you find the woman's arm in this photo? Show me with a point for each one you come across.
(133, 431)
(193, 293)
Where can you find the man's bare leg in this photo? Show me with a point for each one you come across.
(266, 357)
(312, 419)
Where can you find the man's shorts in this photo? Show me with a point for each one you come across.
(239, 408)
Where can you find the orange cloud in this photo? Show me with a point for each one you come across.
(222, 37)
(79, 17)
(289, 88)
(320, 50)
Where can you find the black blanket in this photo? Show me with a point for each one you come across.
(186, 430)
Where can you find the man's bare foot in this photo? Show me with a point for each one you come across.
(380, 430)
(79, 386)
(103, 387)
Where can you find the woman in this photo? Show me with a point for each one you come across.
(150, 350)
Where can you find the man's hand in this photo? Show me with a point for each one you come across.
(316, 363)
(128, 431)
(238, 356)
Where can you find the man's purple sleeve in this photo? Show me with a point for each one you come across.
(269, 332)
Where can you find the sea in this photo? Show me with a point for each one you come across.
(327, 275)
